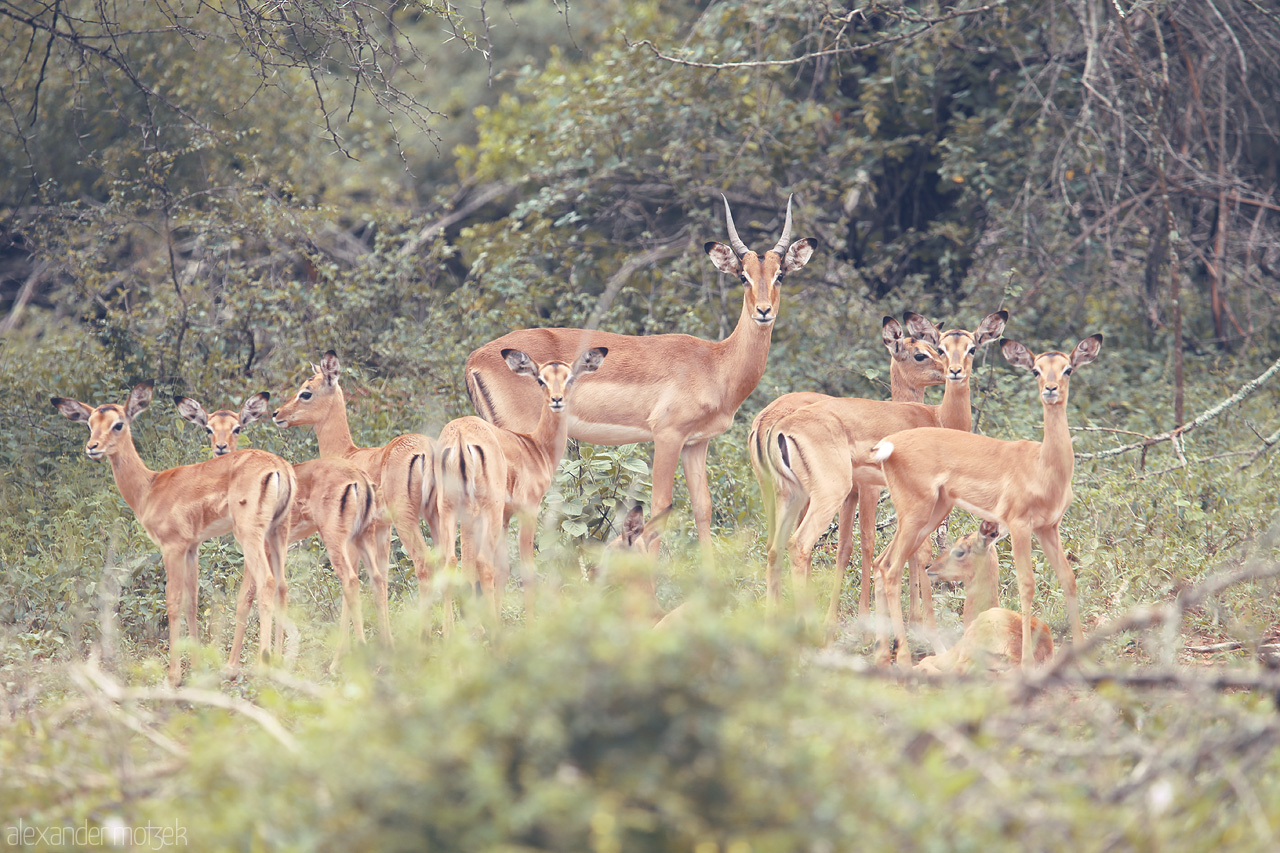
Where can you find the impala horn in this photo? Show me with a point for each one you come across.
(785, 240)
(734, 240)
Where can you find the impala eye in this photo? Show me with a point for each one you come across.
(235, 431)
(1067, 372)
(921, 357)
(1035, 371)
(119, 425)
(304, 395)
(972, 350)
(209, 430)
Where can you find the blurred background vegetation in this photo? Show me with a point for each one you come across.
(213, 195)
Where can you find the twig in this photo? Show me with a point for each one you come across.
(1141, 618)
(1245, 391)
(24, 296)
(117, 692)
(926, 24)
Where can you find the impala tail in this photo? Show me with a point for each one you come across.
(423, 468)
(462, 469)
(881, 450)
(282, 481)
(360, 502)
(785, 457)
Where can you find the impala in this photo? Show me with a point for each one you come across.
(401, 470)
(1023, 485)
(674, 390)
(486, 474)
(992, 634)
(811, 452)
(334, 499)
(247, 494)
(914, 365)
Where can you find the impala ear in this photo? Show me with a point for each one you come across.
(519, 362)
(632, 526)
(590, 361)
(191, 410)
(330, 368)
(139, 399)
(991, 328)
(725, 259)
(921, 329)
(254, 408)
(891, 333)
(799, 254)
(1086, 351)
(72, 410)
(654, 527)
(1016, 354)
(990, 533)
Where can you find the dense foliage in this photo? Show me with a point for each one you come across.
(212, 196)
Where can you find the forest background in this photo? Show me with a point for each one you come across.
(211, 195)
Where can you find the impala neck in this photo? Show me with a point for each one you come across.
(551, 435)
(133, 477)
(744, 356)
(955, 412)
(333, 434)
(983, 591)
(901, 389)
(1055, 449)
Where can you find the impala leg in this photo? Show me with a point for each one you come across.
(410, 532)
(919, 589)
(917, 515)
(1051, 543)
(191, 591)
(844, 550)
(448, 521)
(1020, 539)
(256, 566)
(277, 545)
(340, 556)
(528, 571)
(488, 541)
(867, 501)
(175, 570)
(666, 454)
(693, 458)
(828, 495)
(244, 599)
(366, 546)
(791, 504)
(765, 482)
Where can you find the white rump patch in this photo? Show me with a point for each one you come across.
(882, 450)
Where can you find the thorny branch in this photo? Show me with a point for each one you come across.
(1175, 435)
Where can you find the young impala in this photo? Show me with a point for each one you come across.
(811, 452)
(334, 499)
(486, 474)
(248, 494)
(401, 470)
(1023, 485)
(674, 390)
(992, 634)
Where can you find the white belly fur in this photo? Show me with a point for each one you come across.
(611, 434)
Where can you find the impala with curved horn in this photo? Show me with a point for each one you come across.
(677, 391)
